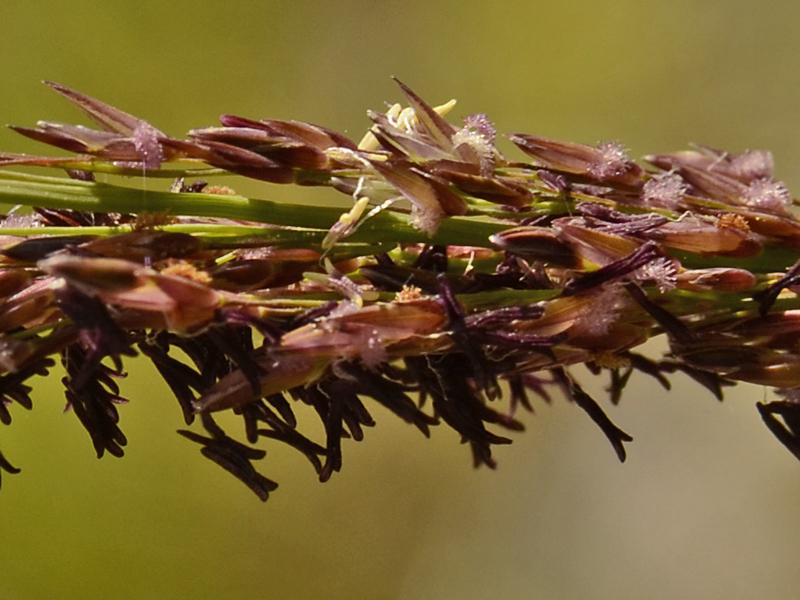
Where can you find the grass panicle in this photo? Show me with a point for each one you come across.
(457, 278)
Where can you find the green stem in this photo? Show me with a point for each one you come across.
(312, 222)
(771, 259)
(108, 168)
(104, 198)
(225, 237)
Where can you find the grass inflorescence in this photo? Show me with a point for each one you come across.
(459, 276)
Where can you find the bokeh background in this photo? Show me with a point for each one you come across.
(707, 504)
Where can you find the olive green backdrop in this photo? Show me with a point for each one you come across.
(707, 504)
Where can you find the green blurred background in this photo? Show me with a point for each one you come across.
(705, 507)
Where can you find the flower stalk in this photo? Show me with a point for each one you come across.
(457, 277)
